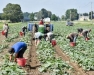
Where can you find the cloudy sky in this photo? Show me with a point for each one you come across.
(57, 7)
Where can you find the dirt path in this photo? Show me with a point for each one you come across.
(78, 70)
(32, 62)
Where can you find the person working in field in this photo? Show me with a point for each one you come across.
(47, 28)
(49, 36)
(24, 29)
(38, 36)
(85, 33)
(18, 50)
(35, 28)
(41, 26)
(72, 37)
(80, 31)
(5, 29)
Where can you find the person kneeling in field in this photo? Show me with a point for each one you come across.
(49, 36)
(80, 30)
(18, 50)
(72, 37)
(37, 37)
(85, 33)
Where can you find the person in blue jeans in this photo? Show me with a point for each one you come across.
(18, 50)
(86, 32)
(72, 37)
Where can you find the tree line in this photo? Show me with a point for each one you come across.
(14, 13)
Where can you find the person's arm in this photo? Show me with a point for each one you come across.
(15, 56)
(10, 58)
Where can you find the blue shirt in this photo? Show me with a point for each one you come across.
(17, 46)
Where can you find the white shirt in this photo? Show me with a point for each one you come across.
(5, 28)
(38, 34)
(48, 35)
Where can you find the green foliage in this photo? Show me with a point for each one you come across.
(32, 16)
(51, 64)
(12, 12)
(10, 68)
(83, 52)
(43, 13)
(73, 13)
(54, 17)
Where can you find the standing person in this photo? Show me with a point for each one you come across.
(80, 31)
(72, 37)
(42, 21)
(41, 26)
(24, 30)
(47, 28)
(85, 33)
(35, 28)
(38, 36)
(5, 29)
(18, 50)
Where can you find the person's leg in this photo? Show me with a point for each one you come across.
(74, 40)
(24, 33)
(35, 41)
(6, 34)
(21, 52)
(51, 37)
(38, 41)
(85, 35)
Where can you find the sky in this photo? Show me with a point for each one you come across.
(57, 7)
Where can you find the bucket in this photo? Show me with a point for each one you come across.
(53, 42)
(72, 44)
(21, 33)
(41, 28)
(21, 62)
(3, 33)
(87, 39)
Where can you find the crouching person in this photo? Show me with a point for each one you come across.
(85, 33)
(17, 50)
(51, 37)
(72, 37)
(80, 30)
(38, 36)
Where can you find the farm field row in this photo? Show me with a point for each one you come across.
(82, 53)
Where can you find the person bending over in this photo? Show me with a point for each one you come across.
(17, 50)
(72, 37)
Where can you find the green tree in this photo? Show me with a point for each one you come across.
(85, 14)
(0, 16)
(43, 13)
(63, 17)
(72, 14)
(32, 16)
(13, 12)
(54, 17)
(91, 17)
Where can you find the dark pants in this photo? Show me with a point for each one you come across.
(6, 34)
(24, 33)
(51, 37)
(21, 52)
(73, 39)
(85, 34)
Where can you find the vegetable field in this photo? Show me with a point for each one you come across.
(59, 60)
